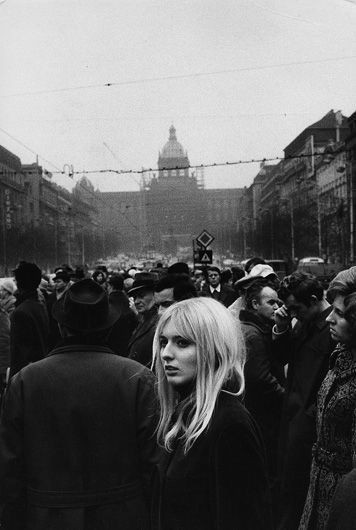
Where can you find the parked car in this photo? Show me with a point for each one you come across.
(305, 261)
(325, 272)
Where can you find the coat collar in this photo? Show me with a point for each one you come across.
(249, 317)
(144, 326)
(21, 296)
(71, 344)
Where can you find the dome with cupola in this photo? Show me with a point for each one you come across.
(172, 154)
(172, 148)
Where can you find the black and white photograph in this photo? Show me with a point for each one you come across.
(178, 265)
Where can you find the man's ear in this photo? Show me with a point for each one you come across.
(254, 304)
(313, 299)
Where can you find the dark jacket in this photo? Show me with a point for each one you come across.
(306, 349)
(29, 329)
(220, 484)
(264, 379)
(121, 332)
(140, 344)
(81, 423)
(263, 372)
(226, 296)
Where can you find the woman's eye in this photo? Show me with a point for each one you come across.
(162, 342)
(183, 343)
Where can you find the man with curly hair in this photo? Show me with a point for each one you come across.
(306, 348)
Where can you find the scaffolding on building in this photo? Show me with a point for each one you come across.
(200, 176)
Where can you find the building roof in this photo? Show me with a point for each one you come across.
(330, 121)
(9, 159)
(323, 130)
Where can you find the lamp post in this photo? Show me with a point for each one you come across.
(264, 210)
(290, 203)
(83, 248)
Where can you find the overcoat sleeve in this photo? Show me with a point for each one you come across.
(241, 494)
(258, 368)
(282, 346)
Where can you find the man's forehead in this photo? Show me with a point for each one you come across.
(164, 296)
(268, 292)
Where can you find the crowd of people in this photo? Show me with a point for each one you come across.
(173, 399)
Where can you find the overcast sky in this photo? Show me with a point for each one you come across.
(224, 72)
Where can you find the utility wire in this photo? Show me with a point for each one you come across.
(196, 166)
(180, 76)
(29, 149)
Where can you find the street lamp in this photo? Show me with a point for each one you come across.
(264, 210)
(290, 203)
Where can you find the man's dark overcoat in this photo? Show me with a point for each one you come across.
(120, 334)
(306, 349)
(227, 295)
(265, 381)
(140, 345)
(29, 331)
(221, 483)
(77, 443)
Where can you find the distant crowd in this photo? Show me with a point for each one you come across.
(173, 399)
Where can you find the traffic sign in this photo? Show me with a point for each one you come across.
(204, 239)
(205, 257)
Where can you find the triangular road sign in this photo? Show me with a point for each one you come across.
(205, 257)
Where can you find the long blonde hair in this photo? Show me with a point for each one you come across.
(220, 359)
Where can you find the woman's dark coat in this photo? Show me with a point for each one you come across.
(343, 509)
(334, 451)
(220, 484)
(77, 442)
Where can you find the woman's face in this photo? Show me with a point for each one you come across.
(179, 357)
(340, 329)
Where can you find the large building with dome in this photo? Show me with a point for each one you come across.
(172, 207)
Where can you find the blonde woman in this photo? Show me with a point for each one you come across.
(212, 473)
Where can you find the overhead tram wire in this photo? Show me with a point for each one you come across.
(195, 166)
(180, 76)
(29, 149)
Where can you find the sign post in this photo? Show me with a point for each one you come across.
(202, 255)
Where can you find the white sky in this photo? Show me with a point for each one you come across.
(57, 44)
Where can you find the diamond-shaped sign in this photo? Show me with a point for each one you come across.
(204, 239)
